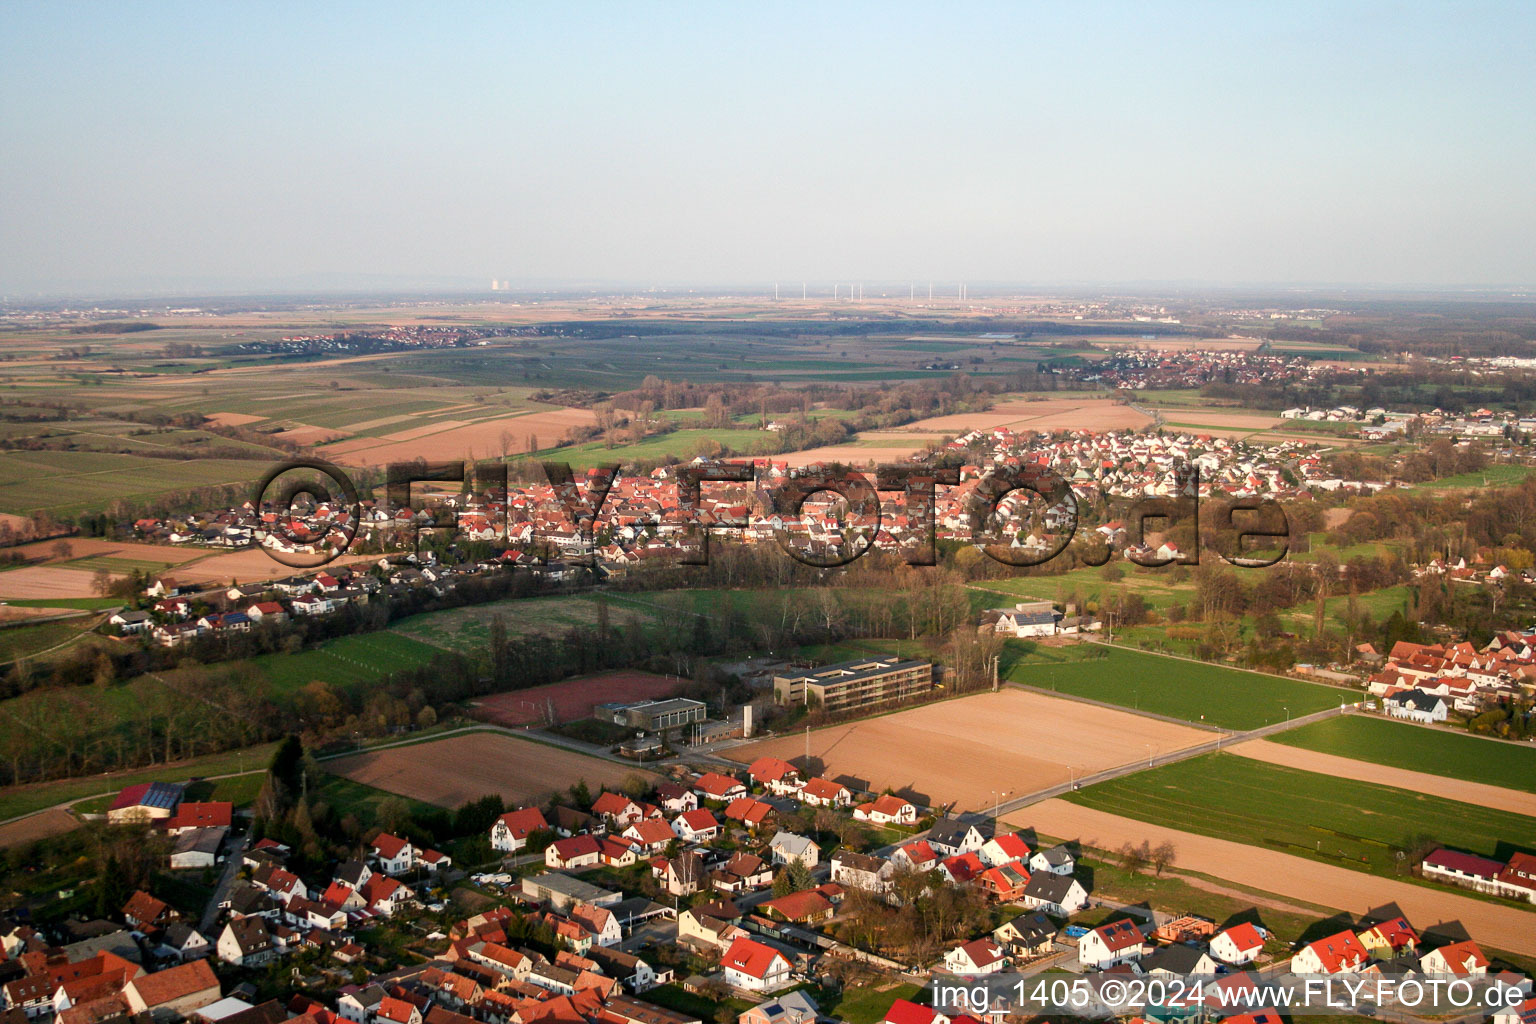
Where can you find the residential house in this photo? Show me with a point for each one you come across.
(395, 856)
(175, 991)
(1058, 860)
(950, 836)
(1340, 953)
(1239, 945)
(821, 792)
(511, 831)
(1461, 958)
(786, 847)
(776, 775)
(246, 942)
(722, 788)
(575, 852)
(1026, 936)
(755, 966)
(887, 809)
(795, 1008)
(861, 871)
(979, 956)
(1117, 942)
(696, 826)
(1460, 868)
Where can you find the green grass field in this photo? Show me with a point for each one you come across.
(1227, 697)
(468, 629)
(682, 444)
(1353, 824)
(1436, 751)
(345, 661)
(1499, 475)
(69, 481)
(27, 641)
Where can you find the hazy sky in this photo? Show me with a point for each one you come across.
(241, 145)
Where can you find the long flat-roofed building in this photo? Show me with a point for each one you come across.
(653, 715)
(855, 684)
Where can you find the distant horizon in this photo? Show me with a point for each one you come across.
(819, 291)
(1192, 144)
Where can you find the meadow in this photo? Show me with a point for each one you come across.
(1436, 751)
(70, 481)
(1191, 691)
(1356, 824)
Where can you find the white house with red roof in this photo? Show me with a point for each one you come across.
(510, 832)
(695, 826)
(1461, 958)
(714, 786)
(1114, 943)
(652, 835)
(819, 792)
(776, 775)
(755, 966)
(618, 810)
(1340, 953)
(1003, 849)
(395, 856)
(1238, 945)
(887, 809)
(575, 852)
(979, 956)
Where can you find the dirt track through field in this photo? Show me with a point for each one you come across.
(1492, 925)
(1478, 793)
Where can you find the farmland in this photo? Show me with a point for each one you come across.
(1461, 790)
(1437, 751)
(1495, 925)
(69, 481)
(1225, 697)
(962, 750)
(450, 771)
(1338, 820)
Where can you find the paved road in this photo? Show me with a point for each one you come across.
(220, 891)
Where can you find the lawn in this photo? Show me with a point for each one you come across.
(26, 641)
(1436, 751)
(1340, 821)
(1190, 691)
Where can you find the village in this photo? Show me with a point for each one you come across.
(664, 904)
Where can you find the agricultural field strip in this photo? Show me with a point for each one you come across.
(1495, 926)
(1246, 800)
(1436, 750)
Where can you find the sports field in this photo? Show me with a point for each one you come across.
(450, 771)
(344, 661)
(1189, 690)
(1435, 751)
(572, 699)
(468, 628)
(1339, 820)
(971, 750)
